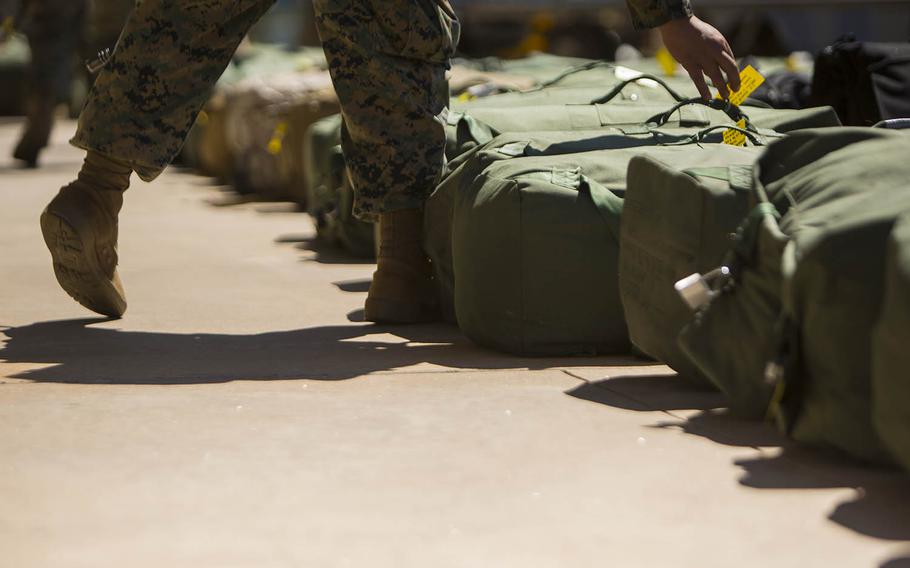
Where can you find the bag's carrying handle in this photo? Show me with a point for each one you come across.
(699, 136)
(645, 77)
(573, 71)
(607, 203)
(726, 107)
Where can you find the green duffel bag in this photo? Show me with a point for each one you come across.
(323, 163)
(297, 120)
(628, 85)
(462, 171)
(330, 196)
(467, 131)
(478, 125)
(788, 333)
(676, 222)
(890, 355)
(548, 69)
(535, 246)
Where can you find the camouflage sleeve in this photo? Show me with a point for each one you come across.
(653, 13)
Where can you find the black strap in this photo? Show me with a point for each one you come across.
(573, 71)
(727, 107)
(702, 134)
(618, 89)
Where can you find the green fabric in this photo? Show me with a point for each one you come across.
(465, 168)
(548, 225)
(262, 60)
(532, 256)
(471, 126)
(676, 222)
(626, 130)
(559, 71)
(646, 87)
(731, 341)
(808, 288)
(330, 197)
(890, 355)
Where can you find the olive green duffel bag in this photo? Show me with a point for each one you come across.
(890, 353)
(469, 127)
(330, 196)
(535, 246)
(788, 332)
(676, 222)
(631, 86)
(464, 169)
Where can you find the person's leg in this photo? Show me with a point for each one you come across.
(388, 60)
(54, 29)
(169, 56)
(138, 113)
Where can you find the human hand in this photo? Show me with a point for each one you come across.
(702, 50)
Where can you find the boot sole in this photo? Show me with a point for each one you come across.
(77, 271)
(396, 312)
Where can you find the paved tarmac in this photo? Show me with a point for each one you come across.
(240, 415)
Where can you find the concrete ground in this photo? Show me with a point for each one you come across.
(241, 415)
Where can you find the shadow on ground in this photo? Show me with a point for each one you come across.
(78, 352)
(878, 507)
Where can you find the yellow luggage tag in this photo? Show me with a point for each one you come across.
(750, 80)
(735, 137)
(667, 62)
(277, 141)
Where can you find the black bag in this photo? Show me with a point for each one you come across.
(864, 82)
(785, 89)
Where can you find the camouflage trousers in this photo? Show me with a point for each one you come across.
(387, 59)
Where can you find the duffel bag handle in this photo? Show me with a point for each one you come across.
(608, 204)
(644, 77)
(702, 134)
(573, 71)
(726, 107)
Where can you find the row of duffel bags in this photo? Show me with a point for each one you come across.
(777, 274)
(275, 132)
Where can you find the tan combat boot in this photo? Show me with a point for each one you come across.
(402, 290)
(80, 230)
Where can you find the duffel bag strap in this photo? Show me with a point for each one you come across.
(644, 77)
(573, 71)
(700, 136)
(608, 204)
(726, 107)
